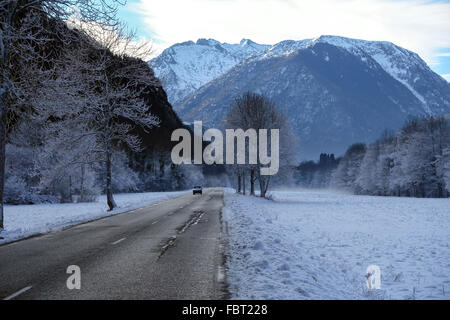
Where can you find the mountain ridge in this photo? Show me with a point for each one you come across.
(249, 50)
(335, 90)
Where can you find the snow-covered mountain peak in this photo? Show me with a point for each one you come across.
(207, 42)
(403, 65)
(245, 42)
(185, 67)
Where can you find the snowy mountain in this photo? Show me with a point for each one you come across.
(335, 90)
(185, 67)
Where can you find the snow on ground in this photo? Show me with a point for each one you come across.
(318, 244)
(26, 220)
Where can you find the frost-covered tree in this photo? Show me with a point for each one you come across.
(25, 26)
(414, 162)
(366, 179)
(119, 105)
(104, 87)
(345, 175)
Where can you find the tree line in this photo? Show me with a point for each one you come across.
(415, 162)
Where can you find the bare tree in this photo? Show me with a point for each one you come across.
(254, 111)
(239, 118)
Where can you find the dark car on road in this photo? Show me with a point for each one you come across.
(197, 190)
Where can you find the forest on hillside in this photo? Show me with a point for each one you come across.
(82, 113)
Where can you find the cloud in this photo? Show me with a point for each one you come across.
(446, 77)
(418, 25)
(121, 41)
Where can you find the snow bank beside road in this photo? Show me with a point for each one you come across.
(317, 245)
(26, 220)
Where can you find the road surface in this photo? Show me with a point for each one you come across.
(169, 250)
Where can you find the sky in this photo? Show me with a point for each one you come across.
(422, 26)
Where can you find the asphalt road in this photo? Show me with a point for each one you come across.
(169, 250)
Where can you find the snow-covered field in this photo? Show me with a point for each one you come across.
(317, 245)
(27, 220)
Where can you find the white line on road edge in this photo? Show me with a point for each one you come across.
(18, 293)
(155, 222)
(118, 241)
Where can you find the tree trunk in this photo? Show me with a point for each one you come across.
(2, 164)
(5, 39)
(70, 190)
(239, 183)
(262, 188)
(264, 185)
(252, 182)
(109, 194)
(82, 184)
